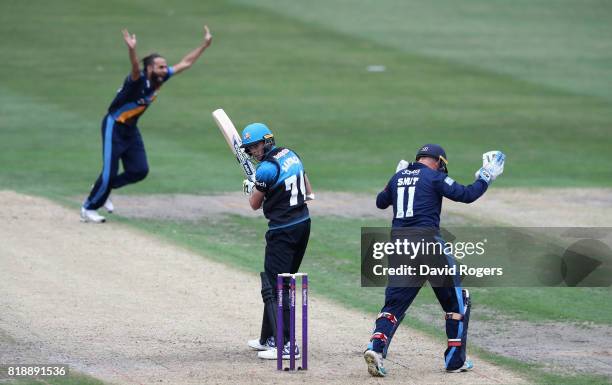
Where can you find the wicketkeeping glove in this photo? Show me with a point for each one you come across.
(247, 187)
(401, 165)
(489, 156)
(492, 166)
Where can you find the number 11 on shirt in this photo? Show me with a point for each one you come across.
(400, 202)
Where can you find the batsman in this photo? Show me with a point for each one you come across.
(282, 188)
(416, 191)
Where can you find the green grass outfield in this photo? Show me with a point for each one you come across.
(308, 81)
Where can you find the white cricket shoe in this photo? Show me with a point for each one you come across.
(467, 366)
(255, 344)
(91, 216)
(108, 205)
(271, 353)
(375, 363)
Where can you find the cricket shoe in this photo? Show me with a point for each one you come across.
(467, 366)
(375, 363)
(257, 345)
(109, 206)
(271, 353)
(91, 216)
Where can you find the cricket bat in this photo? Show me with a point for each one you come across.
(233, 141)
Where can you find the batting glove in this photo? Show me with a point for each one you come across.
(247, 187)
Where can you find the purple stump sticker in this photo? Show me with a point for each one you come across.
(279, 323)
(292, 324)
(304, 322)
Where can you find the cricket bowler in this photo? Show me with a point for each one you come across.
(416, 191)
(121, 139)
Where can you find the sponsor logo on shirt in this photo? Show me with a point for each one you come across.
(411, 172)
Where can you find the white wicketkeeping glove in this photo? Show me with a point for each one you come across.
(401, 165)
(247, 187)
(492, 166)
(489, 156)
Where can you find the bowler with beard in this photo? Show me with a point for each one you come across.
(121, 139)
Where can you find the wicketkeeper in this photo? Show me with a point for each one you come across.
(415, 191)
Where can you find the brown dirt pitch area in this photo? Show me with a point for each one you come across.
(128, 308)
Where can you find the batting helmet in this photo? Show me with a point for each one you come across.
(255, 133)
